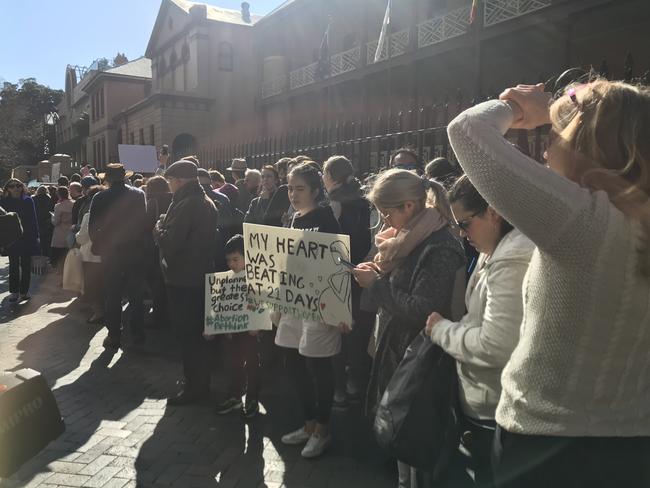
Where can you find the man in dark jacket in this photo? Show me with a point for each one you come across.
(187, 236)
(117, 226)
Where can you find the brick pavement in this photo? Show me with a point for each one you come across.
(119, 432)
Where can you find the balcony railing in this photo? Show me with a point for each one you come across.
(497, 11)
(444, 27)
(303, 76)
(273, 87)
(346, 61)
(438, 29)
(398, 44)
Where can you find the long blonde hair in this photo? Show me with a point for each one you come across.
(605, 128)
(394, 187)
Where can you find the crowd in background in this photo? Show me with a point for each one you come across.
(533, 278)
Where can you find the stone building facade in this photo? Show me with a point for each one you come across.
(225, 77)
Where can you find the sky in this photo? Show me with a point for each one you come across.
(39, 38)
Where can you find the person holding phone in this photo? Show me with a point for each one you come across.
(419, 268)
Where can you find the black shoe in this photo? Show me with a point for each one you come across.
(251, 409)
(228, 406)
(187, 397)
(111, 342)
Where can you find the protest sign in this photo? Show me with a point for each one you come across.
(140, 159)
(296, 272)
(227, 307)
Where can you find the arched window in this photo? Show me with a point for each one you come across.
(225, 56)
(185, 53)
(173, 59)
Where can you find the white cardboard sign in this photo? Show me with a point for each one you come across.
(139, 159)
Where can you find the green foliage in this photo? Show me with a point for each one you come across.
(22, 113)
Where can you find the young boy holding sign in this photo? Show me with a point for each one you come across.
(241, 351)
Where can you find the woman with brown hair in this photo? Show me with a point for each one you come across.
(575, 402)
(16, 199)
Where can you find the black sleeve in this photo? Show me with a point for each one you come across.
(329, 223)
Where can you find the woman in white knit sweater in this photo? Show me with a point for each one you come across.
(483, 340)
(575, 403)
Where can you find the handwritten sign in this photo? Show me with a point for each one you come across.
(296, 272)
(227, 307)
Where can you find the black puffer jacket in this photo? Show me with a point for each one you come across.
(421, 284)
(187, 237)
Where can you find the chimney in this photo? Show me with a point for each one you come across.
(199, 11)
(246, 12)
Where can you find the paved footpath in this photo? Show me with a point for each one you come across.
(120, 433)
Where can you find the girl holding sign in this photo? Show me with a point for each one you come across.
(310, 345)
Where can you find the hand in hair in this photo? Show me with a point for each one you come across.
(529, 104)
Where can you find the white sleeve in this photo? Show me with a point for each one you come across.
(490, 342)
(540, 203)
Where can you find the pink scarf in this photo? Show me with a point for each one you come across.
(394, 246)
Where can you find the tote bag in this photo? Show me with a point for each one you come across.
(73, 275)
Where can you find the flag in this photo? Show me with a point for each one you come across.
(323, 69)
(383, 37)
(472, 12)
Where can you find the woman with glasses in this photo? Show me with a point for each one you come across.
(483, 340)
(16, 199)
(575, 402)
(418, 266)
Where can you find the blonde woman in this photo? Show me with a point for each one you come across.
(575, 402)
(414, 273)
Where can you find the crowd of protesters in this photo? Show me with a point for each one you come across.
(534, 279)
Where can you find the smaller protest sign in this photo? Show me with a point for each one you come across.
(227, 307)
(140, 159)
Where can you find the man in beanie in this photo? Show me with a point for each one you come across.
(116, 226)
(187, 237)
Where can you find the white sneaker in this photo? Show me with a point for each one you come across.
(296, 437)
(24, 298)
(13, 297)
(316, 446)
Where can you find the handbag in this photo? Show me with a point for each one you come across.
(73, 275)
(417, 420)
(10, 228)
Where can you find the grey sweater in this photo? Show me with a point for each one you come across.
(581, 367)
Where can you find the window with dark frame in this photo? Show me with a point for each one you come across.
(152, 133)
(226, 61)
